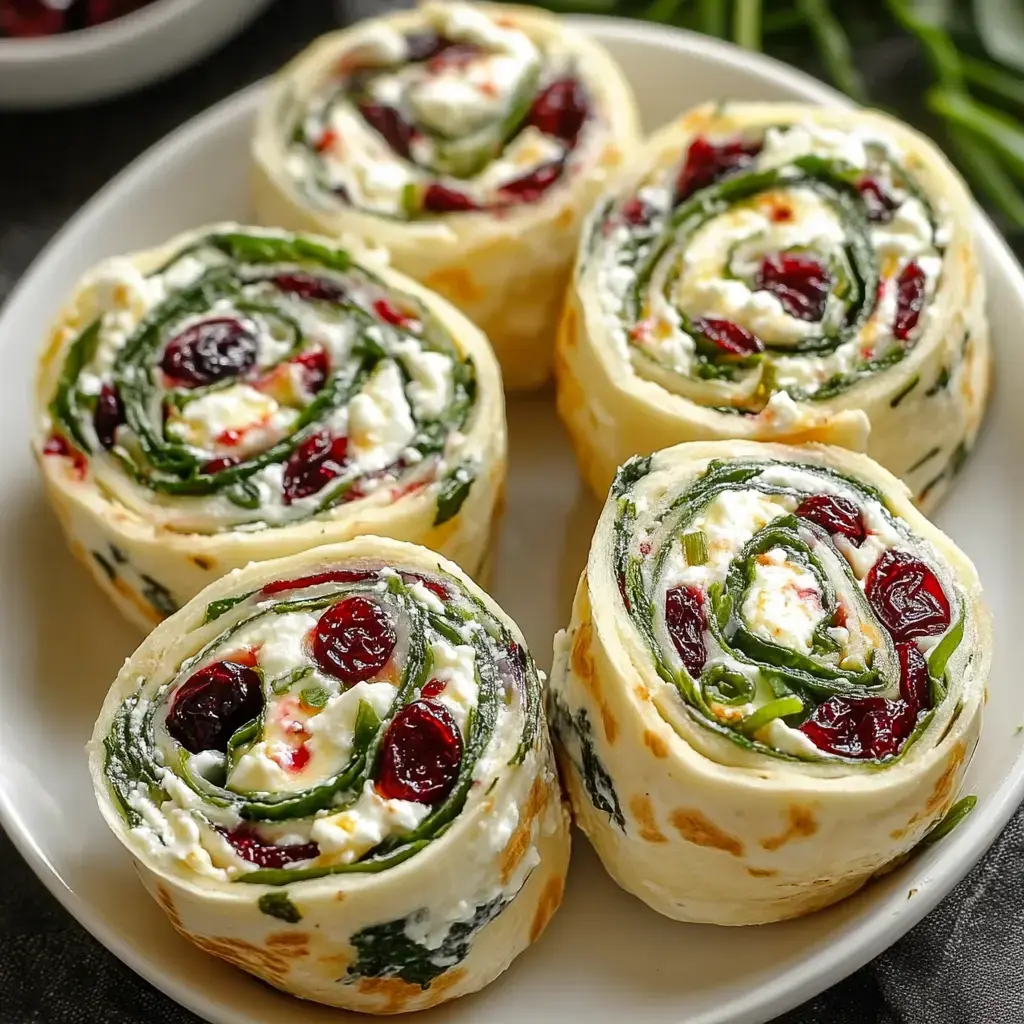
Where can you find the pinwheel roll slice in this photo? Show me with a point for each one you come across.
(333, 770)
(780, 272)
(241, 394)
(469, 139)
(773, 679)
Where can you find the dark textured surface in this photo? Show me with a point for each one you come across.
(963, 965)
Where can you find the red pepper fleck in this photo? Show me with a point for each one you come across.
(327, 140)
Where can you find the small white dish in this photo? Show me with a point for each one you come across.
(117, 56)
(605, 956)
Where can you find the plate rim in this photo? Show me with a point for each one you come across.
(826, 965)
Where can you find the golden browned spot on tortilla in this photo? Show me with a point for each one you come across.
(400, 996)
(272, 964)
(762, 872)
(696, 120)
(456, 283)
(334, 964)
(801, 825)
(203, 562)
(567, 326)
(549, 902)
(641, 691)
(944, 784)
(136, 600)
(611, 155)
(163, 897)
(655, 743)
(519, 842)
(339, 895)
(696, 828)
(642, 809)
(292, 944)
(565, 217)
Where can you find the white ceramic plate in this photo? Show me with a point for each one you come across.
(605, 956)
(119, 55)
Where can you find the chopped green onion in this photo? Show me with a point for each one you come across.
(834, 47)
(695, 546)
(778, 708)
(314, 696)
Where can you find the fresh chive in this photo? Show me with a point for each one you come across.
(997, 129)
(903, 392)
(982, 168)
(834, 47)
(314, 696)
(994, 79)
(746, 25)
(938, 46)
(927, 457)
(695, 546)
(953, 817)
(712, 17)
(783, 20)
(778, 708)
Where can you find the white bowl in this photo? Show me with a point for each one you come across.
(605, 956)
(120, 55)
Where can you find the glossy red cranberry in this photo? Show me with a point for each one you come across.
(319, 578)
(315, 367)
(249, 846)
(309, 287)
(313, 465)
(800, 283)
(424, 45)
(420, 755)
(441, 199)
(878, 204)
(353, 640)
(865, 727)
(390, 313)
(907, 597)
(436, 587)
(528, 188)
(108, 416)
(212, 704)
(910, 286)
(687, 618)
(835, 515)
(706, 163)
(729, 337)
(224, 462)
(25, 19)
(560, 110)
(389, 124)
(635, 211)
(433, 688)
(209, 351)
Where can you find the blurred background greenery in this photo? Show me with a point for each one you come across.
(964, 61)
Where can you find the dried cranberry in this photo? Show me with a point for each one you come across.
(729, 337)
(27, 18)
(560, 110)
(224, 462)
(315, 367)
(687, 618)
(309, 287)
(109, 415)
(878, 204)
(319, 578)
(860, 727)
(800, 283)
(706, 163)
(909, 300)
(249, 846)
(389, 124)
(390, 313)
(436, 587)
(353, 640)
(423, 45)
(636, 211)
(907, 597)
(420, 754)
(209, 351)
(528, 188)
(441, 199)
(835, 515)
(212, 704)
(313, 465)
(433, 688)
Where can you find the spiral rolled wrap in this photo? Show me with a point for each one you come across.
(466, 138)
(245, 393)
(773, 679)
(780, 272)
(333, 770)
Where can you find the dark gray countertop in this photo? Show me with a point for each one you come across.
(962, 965)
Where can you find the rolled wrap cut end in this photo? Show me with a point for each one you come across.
(772, 682)
(786, 273)
(246, 393)
(333, 771)
(470, 139)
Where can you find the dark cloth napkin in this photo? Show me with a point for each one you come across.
(964, 964)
